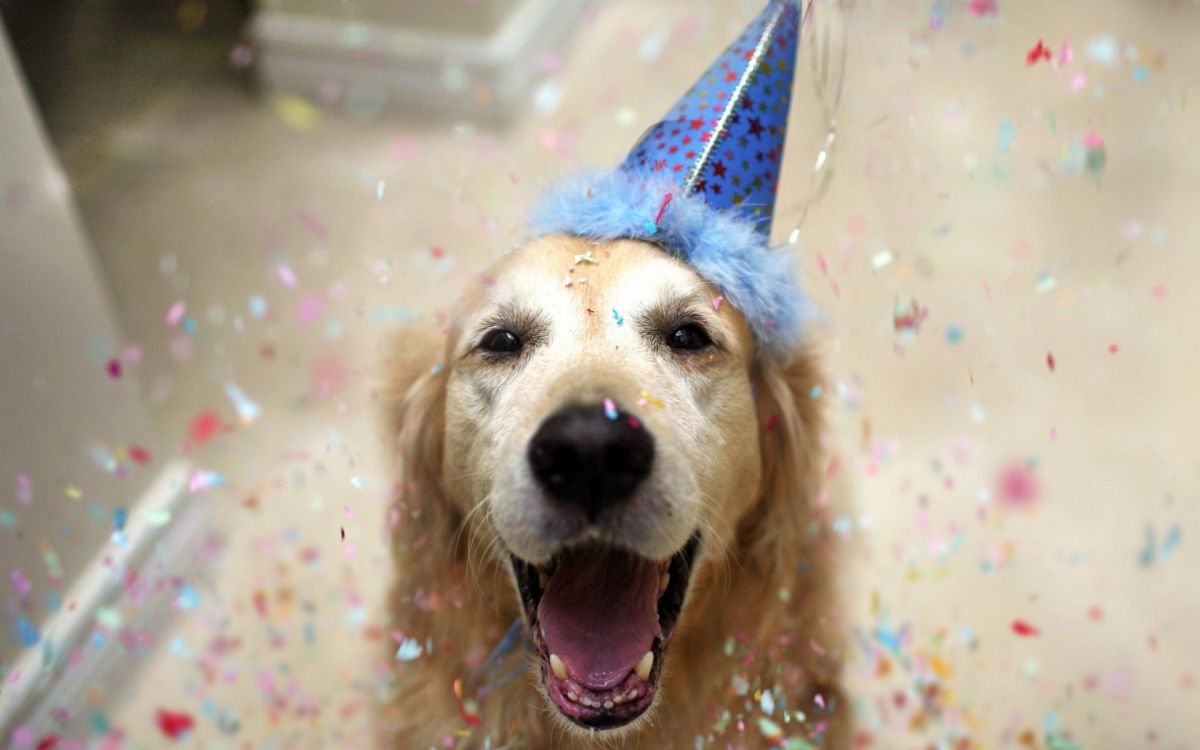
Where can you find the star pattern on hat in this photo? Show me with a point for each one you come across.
(741, 173)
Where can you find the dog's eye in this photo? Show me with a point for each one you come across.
(688, 337)
(500, 341)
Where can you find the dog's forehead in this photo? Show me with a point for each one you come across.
(570, 271)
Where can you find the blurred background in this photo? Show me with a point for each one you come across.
(216, 214)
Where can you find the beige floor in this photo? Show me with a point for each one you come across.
(204, 194)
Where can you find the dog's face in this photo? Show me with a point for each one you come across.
(602, 437)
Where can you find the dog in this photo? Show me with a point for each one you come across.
(593, 451)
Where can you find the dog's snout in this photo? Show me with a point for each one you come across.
(583, 458)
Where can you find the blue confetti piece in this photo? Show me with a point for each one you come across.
(119, 518)
(409, 650)
(27, 634)
(189, 597)
(1140, 74)
(1007, 131)
(617, 316)
(954, 334)
(258, 306)
(1170, 542)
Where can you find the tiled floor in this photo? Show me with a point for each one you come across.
(1057, 348)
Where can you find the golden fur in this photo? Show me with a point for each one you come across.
(763, 583)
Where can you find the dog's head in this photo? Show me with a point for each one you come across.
(601, 417)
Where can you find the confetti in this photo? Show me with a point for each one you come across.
(409, 650)
(907, 317)
(1024, 629)
(1038, 53)
(610, 409)
(175, 725)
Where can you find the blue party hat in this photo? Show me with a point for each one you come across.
(724, 139)
(701, 183)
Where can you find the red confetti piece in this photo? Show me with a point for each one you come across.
(666, 201)
(1113, 349)
(1039, 52)
(114, 368)
(1050, 361)
(49, 742)
(139, 455)
(174, 724)
(982, 8)
(1024, 629)
(204, 427)
(260, 603)
(772, 421)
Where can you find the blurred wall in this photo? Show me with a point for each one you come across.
(68, 418)
(474, 17)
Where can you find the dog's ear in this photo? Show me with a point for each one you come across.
(790, 434)
(421, 516)
(787, 539)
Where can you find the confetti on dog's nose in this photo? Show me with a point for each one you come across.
(610, 409)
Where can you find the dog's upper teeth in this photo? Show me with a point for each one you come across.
(645, 665)
(663, 580)
(557, 666)
(543, 578)
(608, 704)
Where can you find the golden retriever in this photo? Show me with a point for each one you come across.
(593, 450)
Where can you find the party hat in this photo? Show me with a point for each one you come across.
(702, 181)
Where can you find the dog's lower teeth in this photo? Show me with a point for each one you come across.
(645, 665)
(608, 704)
(663, 581)
(572, 697)
(557, 666)
(543, 579)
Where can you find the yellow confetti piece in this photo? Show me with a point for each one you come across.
(296, 112)
(73, 492)
(652, 400)
(940, 667)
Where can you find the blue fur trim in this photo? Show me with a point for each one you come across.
(727, 252)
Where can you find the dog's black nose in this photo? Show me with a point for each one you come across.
(582, 457)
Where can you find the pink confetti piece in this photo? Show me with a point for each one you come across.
(202, 479)
(310, 309)
(716, 302)
(1078, 81)
(610, 409)
(310, 223)
(1065, 54)
(1017, 486)
(20, 583)
(662, 209)
(286, 275)
(982, 8)
(24, 490)
(175, 313)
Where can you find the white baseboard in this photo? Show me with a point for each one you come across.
(410, 71)
(50, 680)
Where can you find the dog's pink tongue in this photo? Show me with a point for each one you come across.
(600, 614)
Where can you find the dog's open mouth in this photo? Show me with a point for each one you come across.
(600, 619)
